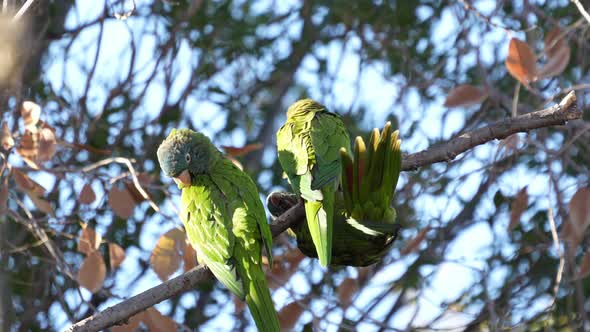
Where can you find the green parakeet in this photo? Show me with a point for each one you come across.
(223, 217)
(364, 221)
(308, 147)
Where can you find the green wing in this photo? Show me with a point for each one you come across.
(208, 226)
(328, 136)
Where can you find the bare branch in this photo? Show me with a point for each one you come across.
(559, 114)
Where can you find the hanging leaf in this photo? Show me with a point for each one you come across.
(579, 207)
(584, 269)
(558, 54)
(346, 290)
(87, 195)
(26, 184)
(189, 257)
(238, 152)
(521, 62)
(41, 204)
(465, 95)
(289, 315)
(116, 255)
(413, 245)
(46, 145)
(519, 205)
(156, 322)
(168, 253)
(89, 240)
(132, 323)
(30, 113)
(132, 189)
(6, 140)
(121, 201)
(28, 148)
(92, 272)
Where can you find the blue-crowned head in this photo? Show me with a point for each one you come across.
(185, 154)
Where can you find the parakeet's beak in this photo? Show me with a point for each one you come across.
(184, 178)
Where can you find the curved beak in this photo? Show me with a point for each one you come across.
(183, 179)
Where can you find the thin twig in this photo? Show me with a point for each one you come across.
(22, 10)
(559, 253)
(582, 10)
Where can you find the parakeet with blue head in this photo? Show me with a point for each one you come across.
(224, 219)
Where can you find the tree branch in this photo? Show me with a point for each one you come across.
(559, 114)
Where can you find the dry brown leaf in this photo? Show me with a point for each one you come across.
(189, 257)
(465, 95)
(41, 204)
(156, 322)
(239, 305)
(46, 145)
(92, 272)
(89, 240)
(87, 195)
(30, 113)
(517, 208)
(6, 140)
(28, 148)
(3, 196)
(413, 245)
(121, 201)
(137, 197)
(554, 42)
(346, 290)
(132, 323)
(521, 62)
(579, 207)
(289, 315)
(238, 152)
(116, 255)
(584, 269)
(168, 253)
(26, 184)
(558, 54)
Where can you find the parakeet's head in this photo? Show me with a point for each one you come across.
(185, 153)
(304, 107)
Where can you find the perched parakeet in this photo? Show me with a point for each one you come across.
(308, 147)
(223, 217)
(364, 221)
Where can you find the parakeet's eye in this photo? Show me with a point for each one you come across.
(188, 157)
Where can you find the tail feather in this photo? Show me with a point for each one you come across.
(261, 307)
(320, 216)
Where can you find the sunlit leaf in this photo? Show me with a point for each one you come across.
(517, 208)
(238, 152)
(584, 269)
(89, 240)
(156, 322)
(30, 113)
(168, 253)
(132, 323)
(413, 244)
(87, 195)
(6, 140)
(92, 272)
(25, 183)
(189, 257)
(116, 255)
(346, 290)
(289, 315)
(521, 62)
(465, 95)
(121, 201)
(46, 144)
